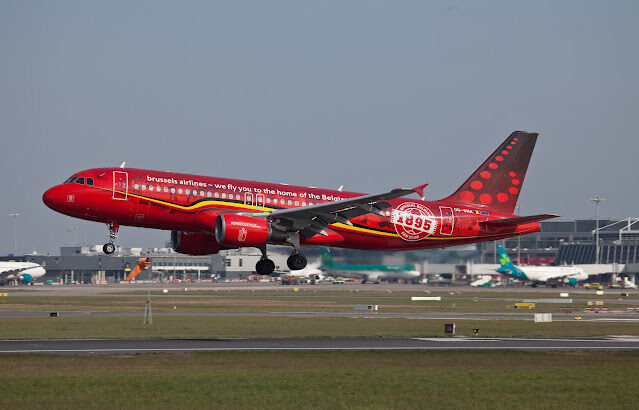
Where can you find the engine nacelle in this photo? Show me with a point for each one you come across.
(239, 230)
(194, 243)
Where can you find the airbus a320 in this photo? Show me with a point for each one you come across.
(208, 214)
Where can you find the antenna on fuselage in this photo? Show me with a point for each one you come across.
(123, 164)
(340, 188)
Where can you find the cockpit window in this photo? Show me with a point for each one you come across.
(70, 180)
(89, 181)
(80, 181)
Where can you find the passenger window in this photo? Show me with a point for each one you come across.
(80, 181)
(89, 181)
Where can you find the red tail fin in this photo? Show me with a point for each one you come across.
(497, 182)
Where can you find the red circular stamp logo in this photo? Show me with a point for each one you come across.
(413, 221)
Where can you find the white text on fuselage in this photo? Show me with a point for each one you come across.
(246, 189)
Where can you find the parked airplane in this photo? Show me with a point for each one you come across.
(539, 274)
(207, 214)
(311, 273)
(373, 273)
(483, 281)
(26, 272)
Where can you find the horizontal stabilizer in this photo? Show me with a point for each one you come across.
(520, 220)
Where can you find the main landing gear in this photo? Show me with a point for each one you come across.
(109, 247)
(296, 261)
(264, 266)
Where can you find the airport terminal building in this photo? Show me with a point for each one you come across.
(559, 243)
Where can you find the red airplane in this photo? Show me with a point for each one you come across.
(207, 214)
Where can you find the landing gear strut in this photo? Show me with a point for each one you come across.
(109, 247)
(264, 266)
(296, 261)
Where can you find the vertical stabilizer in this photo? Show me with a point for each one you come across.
(497, 182)
(327, 259)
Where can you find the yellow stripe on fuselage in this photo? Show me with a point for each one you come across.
(338, 225)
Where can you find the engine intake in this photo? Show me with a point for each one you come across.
(194, 243)
(240, 230)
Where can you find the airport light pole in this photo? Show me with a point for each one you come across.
(15, 216)
(597, 200)
(73, 230)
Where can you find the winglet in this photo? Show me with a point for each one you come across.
(420, 189)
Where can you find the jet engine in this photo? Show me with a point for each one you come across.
(239, 230)
(194, 243)
(573, 280)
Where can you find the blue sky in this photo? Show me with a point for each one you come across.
(372, 95)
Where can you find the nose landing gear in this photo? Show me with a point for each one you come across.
(109, 247)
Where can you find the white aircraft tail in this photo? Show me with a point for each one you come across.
(628, 285)
(484, 280)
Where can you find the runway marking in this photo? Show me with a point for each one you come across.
(523, 339)
(213, 349)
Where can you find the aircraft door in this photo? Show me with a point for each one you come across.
(448, 220)
(120, 185)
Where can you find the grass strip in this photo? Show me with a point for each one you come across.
(322, 380)
(115, 327)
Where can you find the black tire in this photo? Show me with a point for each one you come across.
(108, 248)
(264, 267)
(297, 261)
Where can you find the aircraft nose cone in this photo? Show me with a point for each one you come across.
(53, 197)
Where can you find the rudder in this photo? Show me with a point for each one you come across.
(497, 182)
(327, 258)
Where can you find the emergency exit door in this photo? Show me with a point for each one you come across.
(120, 185)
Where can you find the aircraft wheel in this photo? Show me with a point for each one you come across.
(296, 261)
(108, 248)
(264, 267)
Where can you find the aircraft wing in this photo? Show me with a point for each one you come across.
(6, 274)
(10, 271)
(313, 219)
(519, 220)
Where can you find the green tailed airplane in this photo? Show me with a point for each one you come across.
(373, 273)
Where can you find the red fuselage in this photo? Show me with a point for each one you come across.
(190, 203)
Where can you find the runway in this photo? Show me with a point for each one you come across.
(557, 317)
(131, 346)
